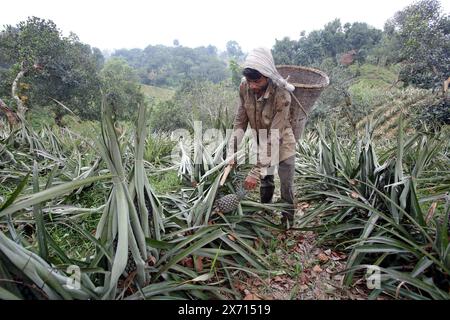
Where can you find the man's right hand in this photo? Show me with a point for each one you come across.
(232, 163)
(250, 182)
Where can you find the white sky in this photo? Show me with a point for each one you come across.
(115, 24)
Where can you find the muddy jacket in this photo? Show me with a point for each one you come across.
(270, 111)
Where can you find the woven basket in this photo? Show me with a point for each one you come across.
(309, 84)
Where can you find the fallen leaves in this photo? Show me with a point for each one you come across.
(301, 208)
(303, 205)
(431, 212)
(199, 264)
(338, 256)
(338, 277)
(303, 287)
(317, 269)
(277, 279)
(304, 279)
(187, 262)
(328, 270)
(250, 287)
(252, 296)
(323, 257)
(318, 278)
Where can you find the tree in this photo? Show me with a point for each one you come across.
(328, 42)
(360, 35)
(236, 73)
(285, 51)
(424, 35)
(170, 66)
(120, 84)
(28, 48)
(234, 51)
(333, 39)
(206, 101)
(310, 49)
(166, 116)
(40, 65)
(72, 78)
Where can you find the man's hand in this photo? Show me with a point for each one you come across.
(250, 182)
(232, 163)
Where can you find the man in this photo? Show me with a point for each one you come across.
(265, 104)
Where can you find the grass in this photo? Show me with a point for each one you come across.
(64, 232)
(40, 116)
(92, 196)
(373, 75)
(161, 94)
(73, 242)
(166, 182)
(5, 192)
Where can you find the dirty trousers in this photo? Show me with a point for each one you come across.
(286, 170)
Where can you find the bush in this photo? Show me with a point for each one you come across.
(435, 115)
(166, 116)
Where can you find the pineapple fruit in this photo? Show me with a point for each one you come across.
(230, 202)
(131, 264)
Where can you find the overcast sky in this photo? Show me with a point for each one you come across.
(115, 24)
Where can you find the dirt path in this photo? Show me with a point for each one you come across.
(302, 271)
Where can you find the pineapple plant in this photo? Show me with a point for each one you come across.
(27, 290)
(168, 224)
(131, 264)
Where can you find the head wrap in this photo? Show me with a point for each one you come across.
(261, 60)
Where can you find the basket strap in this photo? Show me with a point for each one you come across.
(299, 104)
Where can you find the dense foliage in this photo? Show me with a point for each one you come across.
(50, 66)
(169, 66)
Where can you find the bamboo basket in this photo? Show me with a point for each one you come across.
(309, 84)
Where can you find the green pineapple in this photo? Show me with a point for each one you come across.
(131, 264)
(230, 202)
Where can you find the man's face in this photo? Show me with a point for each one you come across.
(258, 86)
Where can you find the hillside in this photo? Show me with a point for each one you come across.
(377, 91)
(162, 94)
